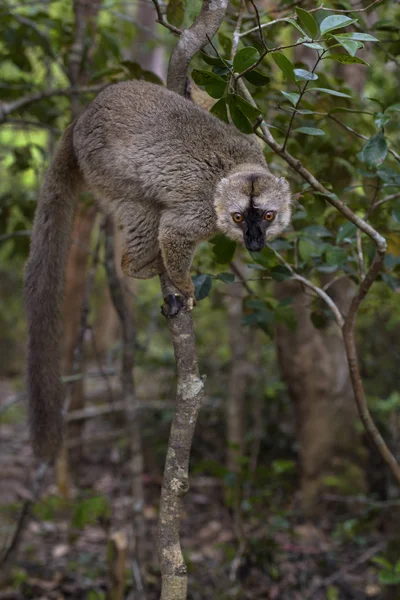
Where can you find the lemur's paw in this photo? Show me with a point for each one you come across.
(174, 304)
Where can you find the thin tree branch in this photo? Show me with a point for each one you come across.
(8, 108)
(19, 233)
(360, 254)
(302, 92)
(237, 271)
(317, 290)
(24, 517)
(236, 33)
(162, 21)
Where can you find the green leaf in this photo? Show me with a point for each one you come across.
(214, 84)
(317, 231)
(308, 21)
(309, 131)
(245, 58)
(221, 71)
(239, 119)
(394, 107)
(283, 465)
(213, 60)
(266, 258)
(106, 72)
(21, 60)
(136, 72)
(303, 75)
(111, 42)
(346, 59)
(284, 64)
(307, 249)
(328, 91)
(346, 233)
(335, 22)
(302, 111)
(359, 37)
(313, 45)
(381, 561)
(280, 273)
(375, 150)
(392, 282)
(215, 89)
(332, 593)
(257, 78)
(223, 249)
(349, 45)
(291, 96)
(175, 12)
(318, 319)
(396, 213)
(389, 577)
(225, 277)
(219, 109)
(335, 255)
(202, 77)
(297, 26)
(87, 511)
(202, 285)
(381, 119)
(377, 102)
(250, 111)
(389, 175)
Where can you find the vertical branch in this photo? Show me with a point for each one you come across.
(192, 40)
(176, 471)
(130, 400)
(75, 272)
(190, 384)
(239, 343)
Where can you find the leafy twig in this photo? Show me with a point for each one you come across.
(162, 21)
(322, 7)
(302, 92)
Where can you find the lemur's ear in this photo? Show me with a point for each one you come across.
(285, 187)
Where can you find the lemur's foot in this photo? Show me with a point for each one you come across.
(175, 303)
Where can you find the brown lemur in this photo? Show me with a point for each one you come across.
(173, 175)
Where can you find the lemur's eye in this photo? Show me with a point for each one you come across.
(269, 215)
(237, 217)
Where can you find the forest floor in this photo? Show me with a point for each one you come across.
(269, 553)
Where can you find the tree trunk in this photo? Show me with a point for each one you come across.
(239, 342)
(314, 367)
(85, 18)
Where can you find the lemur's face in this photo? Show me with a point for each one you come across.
(253, 208)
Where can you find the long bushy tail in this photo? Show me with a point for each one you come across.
(43, 291)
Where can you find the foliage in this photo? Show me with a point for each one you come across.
(307, 88)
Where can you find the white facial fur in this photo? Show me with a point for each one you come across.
(267, 192)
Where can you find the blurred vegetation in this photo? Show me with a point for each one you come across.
(343, 134)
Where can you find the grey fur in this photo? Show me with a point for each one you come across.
(172, 174)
